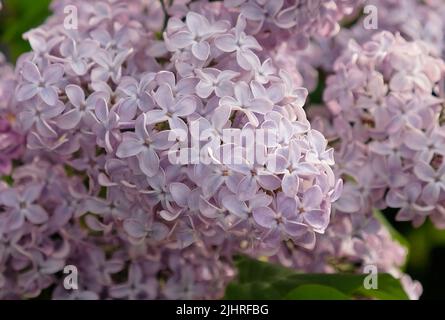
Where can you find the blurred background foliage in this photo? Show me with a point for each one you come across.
(17, 17)
(426, 261)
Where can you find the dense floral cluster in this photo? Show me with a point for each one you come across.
(157, 139)
(351, 243)
(384, 99)
(292, 21)
(113, 106)
(11, 142)
(47, 232)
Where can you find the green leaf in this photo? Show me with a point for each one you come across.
(315, 292)
(262, 280)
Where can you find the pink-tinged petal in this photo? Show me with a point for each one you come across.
(75, 95)
(120, 291)
(307, 241)
(170, 215)
(235, 206)
(395, 199)
(247, 188)
(98, 206)
(180, 193)
(27, 119)
(290, 184)
(224, 88)
(9, 198)
(164, 96)
(242, 57)
(26, 91)
(226, 43)
(101, 110)
(415, 140)
(287, 206)
(156, 116)
(15, 220)
(287, 18)
(135, 228)
(405, 214)
(148, 162)
(185, 107)
(265, 217)
(413, 191)
(207, 209)
(95, 224)
(53, 73)
(312, 197)
(317, 219)
(252, 11)
(163, 140)
(211, 185)
(221, 116)
(79, 67)
(277, 163)
(130, 146)
(201, 50)
(159, 231)
(424, 172)
(295, 229)
(400, 82)
(348, 203)
(127, 110)
(30, 72)
(306, 169)
(49, 95)
(261, 106)
(44, 129)
(204, 89)
(195, 23)
(32, 192)
(317, 140)
(181, 39)
(335, 194)
(430, 193)
(269, 181)
(69, 120)
(177, 124)
(53, 111)
(36, 215)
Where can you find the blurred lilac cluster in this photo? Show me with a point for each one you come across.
(386, 108)
(92, 119)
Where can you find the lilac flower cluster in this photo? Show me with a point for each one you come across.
(11, 142)
(104, 107)
(100, 168)
(351, 243)
(42, 230)
(384, 100)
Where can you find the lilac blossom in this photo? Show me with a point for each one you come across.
(41, 84)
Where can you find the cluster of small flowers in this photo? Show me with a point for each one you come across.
(51, 208)
(386, 113)
(102, 102)
(292, 21)
(11, 142)
(413, 19)
(351, 243)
